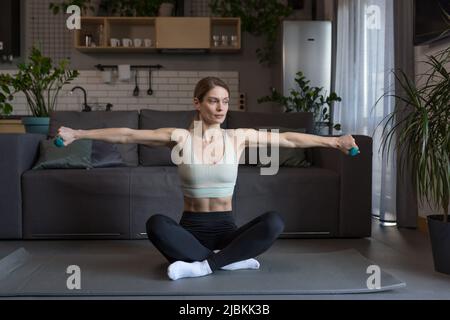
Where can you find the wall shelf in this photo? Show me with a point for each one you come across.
(225, 27)
(163, 32)
(117, 50)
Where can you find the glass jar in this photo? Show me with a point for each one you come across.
(100, 35)
(88, 40)
(234, 41)
(216, 40)
(224, 41)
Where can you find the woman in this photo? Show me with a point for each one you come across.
(207, 238)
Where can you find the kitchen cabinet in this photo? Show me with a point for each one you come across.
(230, 28)
(155, 34)
(103, 30)
(183, 33)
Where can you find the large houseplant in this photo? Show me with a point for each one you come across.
(131, 8)
(41, 83)
(259, 18)
(422, 134)
(306, 99)
(7, 122)
(126, 8)
(87, 7)
(5, 96)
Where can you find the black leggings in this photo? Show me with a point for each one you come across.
(199, 233)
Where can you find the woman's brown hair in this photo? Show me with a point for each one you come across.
(201, 89)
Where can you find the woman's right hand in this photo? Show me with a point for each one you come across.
(346, 142)
(67, 134)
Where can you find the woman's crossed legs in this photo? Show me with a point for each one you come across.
(192, 255)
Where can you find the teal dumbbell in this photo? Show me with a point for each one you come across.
(353, 151)
(59, 142)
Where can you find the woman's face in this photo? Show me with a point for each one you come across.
(214, 107)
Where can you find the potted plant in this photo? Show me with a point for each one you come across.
(5, 96)
(131, 8)
(259, 18)
(41, 83)
(86, 6)
(422, 115)
(308, 99)
(7, 123)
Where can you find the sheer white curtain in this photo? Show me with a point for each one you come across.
(365, 58)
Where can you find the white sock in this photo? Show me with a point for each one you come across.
(181, 269)
(243, 264)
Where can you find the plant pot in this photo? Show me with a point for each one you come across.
(165, 9)
(11, 126)
(440, 242)
(36, 124)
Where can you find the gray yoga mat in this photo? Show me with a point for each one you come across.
(144, 274)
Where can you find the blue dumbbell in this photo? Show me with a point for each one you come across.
(353, 151)
(59, 142)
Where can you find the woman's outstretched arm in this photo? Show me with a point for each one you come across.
(298, 140)
(157, 137)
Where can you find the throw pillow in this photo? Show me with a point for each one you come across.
(75, 155)
(288, 157)
(105, 154)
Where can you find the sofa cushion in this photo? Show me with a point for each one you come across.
(76, 203)
(153, 119)
(75, 155)
(238, 119)
(306, 198)
(288, 157)
(98, 120)
(153, 190)
(105, 154)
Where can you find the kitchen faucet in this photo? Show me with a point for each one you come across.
(86, 107)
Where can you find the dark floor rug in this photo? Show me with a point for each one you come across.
(144, 274)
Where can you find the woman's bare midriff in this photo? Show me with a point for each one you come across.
(211, 204)
(207, 204)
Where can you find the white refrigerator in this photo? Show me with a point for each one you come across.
(307, 47)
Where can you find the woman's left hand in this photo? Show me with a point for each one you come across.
(345, 143)
(67, 134)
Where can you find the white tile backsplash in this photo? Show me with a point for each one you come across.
(172, 90)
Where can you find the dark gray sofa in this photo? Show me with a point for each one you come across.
(332, 198)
